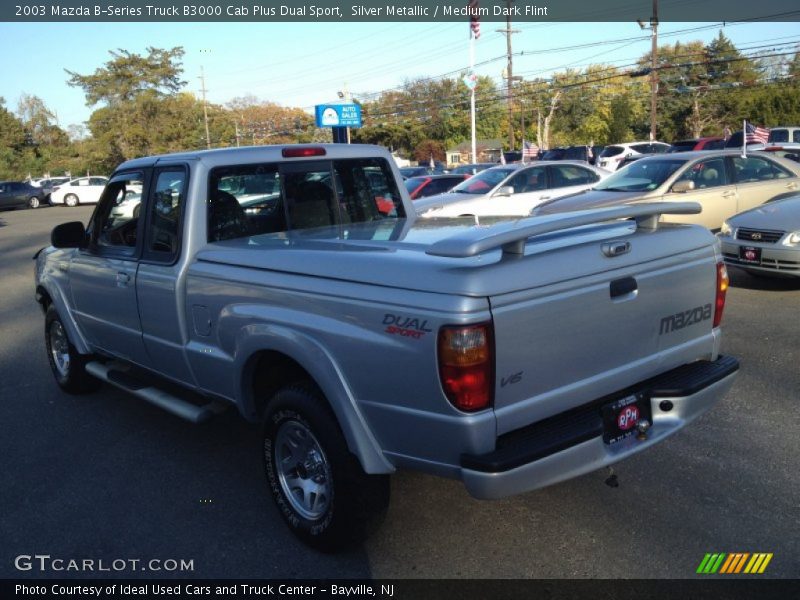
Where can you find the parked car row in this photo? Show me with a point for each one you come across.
(511, 190)
(17, 194)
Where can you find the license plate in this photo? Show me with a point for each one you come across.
(750, 254)
(621, 417)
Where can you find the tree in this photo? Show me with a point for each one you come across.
(128, 75)
(259, 122)
(12, 141)
(428, 149)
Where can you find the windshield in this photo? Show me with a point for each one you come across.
(413, 183)
(484, 181)
(641, 176)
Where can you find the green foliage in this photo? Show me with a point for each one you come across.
(127, 75)
(141, 109)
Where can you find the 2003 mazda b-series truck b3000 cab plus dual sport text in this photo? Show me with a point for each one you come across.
(295, 283)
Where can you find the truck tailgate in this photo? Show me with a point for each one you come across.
(606, 323)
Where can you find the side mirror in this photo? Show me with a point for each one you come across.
(69, 235)
(681, 187)
(506, 190)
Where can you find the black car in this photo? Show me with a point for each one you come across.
(14, 194)
(583, 153)
(407, 172)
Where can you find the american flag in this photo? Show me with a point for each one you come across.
(474, 19)
(755, 135)
(529, 150)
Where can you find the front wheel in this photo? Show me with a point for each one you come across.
(320, 489)
(71, 200)
(65, 361)
(33, 202)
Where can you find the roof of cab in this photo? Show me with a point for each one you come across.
(255, 154)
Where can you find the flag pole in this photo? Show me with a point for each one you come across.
(744, 138)
(472, 94)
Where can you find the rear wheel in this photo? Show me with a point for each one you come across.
(71, 200)
(67, 364)
(320, 489)
(33, 202)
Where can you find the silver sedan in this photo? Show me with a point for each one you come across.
(765, 240)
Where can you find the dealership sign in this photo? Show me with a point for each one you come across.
(338, 115)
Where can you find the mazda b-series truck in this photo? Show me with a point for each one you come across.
(296, 284)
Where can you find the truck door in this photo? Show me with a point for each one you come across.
(103, 276)
(160, 284)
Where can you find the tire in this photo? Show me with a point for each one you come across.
(67, 364)
(71, 200)
(304, 450)
(33, 202)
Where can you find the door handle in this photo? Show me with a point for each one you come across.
(123, 279)
(791, 186)
(728, 194)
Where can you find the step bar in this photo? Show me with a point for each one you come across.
(152, 394)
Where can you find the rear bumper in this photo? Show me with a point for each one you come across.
(571, 444)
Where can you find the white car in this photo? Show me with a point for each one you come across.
(511, 190)
(84, 190)
(611, 156)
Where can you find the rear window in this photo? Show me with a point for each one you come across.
(612, 151)
(257, 199)
(779, 135)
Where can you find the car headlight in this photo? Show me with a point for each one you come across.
(794, 238)
(726, 229)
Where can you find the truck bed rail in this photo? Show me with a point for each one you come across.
(512, 236)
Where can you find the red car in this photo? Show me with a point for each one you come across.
(703, 143)
(430, 185)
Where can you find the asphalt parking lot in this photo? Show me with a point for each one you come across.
(109, 477)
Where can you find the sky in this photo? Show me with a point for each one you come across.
(303, 64)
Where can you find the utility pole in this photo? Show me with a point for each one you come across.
(205, 106)
(653, 27)
(509, 74)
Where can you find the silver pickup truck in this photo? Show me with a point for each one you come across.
(295, 284)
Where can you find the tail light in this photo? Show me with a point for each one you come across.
(466, 366)
(722, 287)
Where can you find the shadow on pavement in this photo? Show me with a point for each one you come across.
(748, 281)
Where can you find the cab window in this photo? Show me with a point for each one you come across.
(167, 200)
(116, 220)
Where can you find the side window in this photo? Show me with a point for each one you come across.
(97, 181)
(567, 175)
(641, 148)
(167, 200)
(529, 180)
(755, 168)
(116, 220)
(707, 174)
(796, 135)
